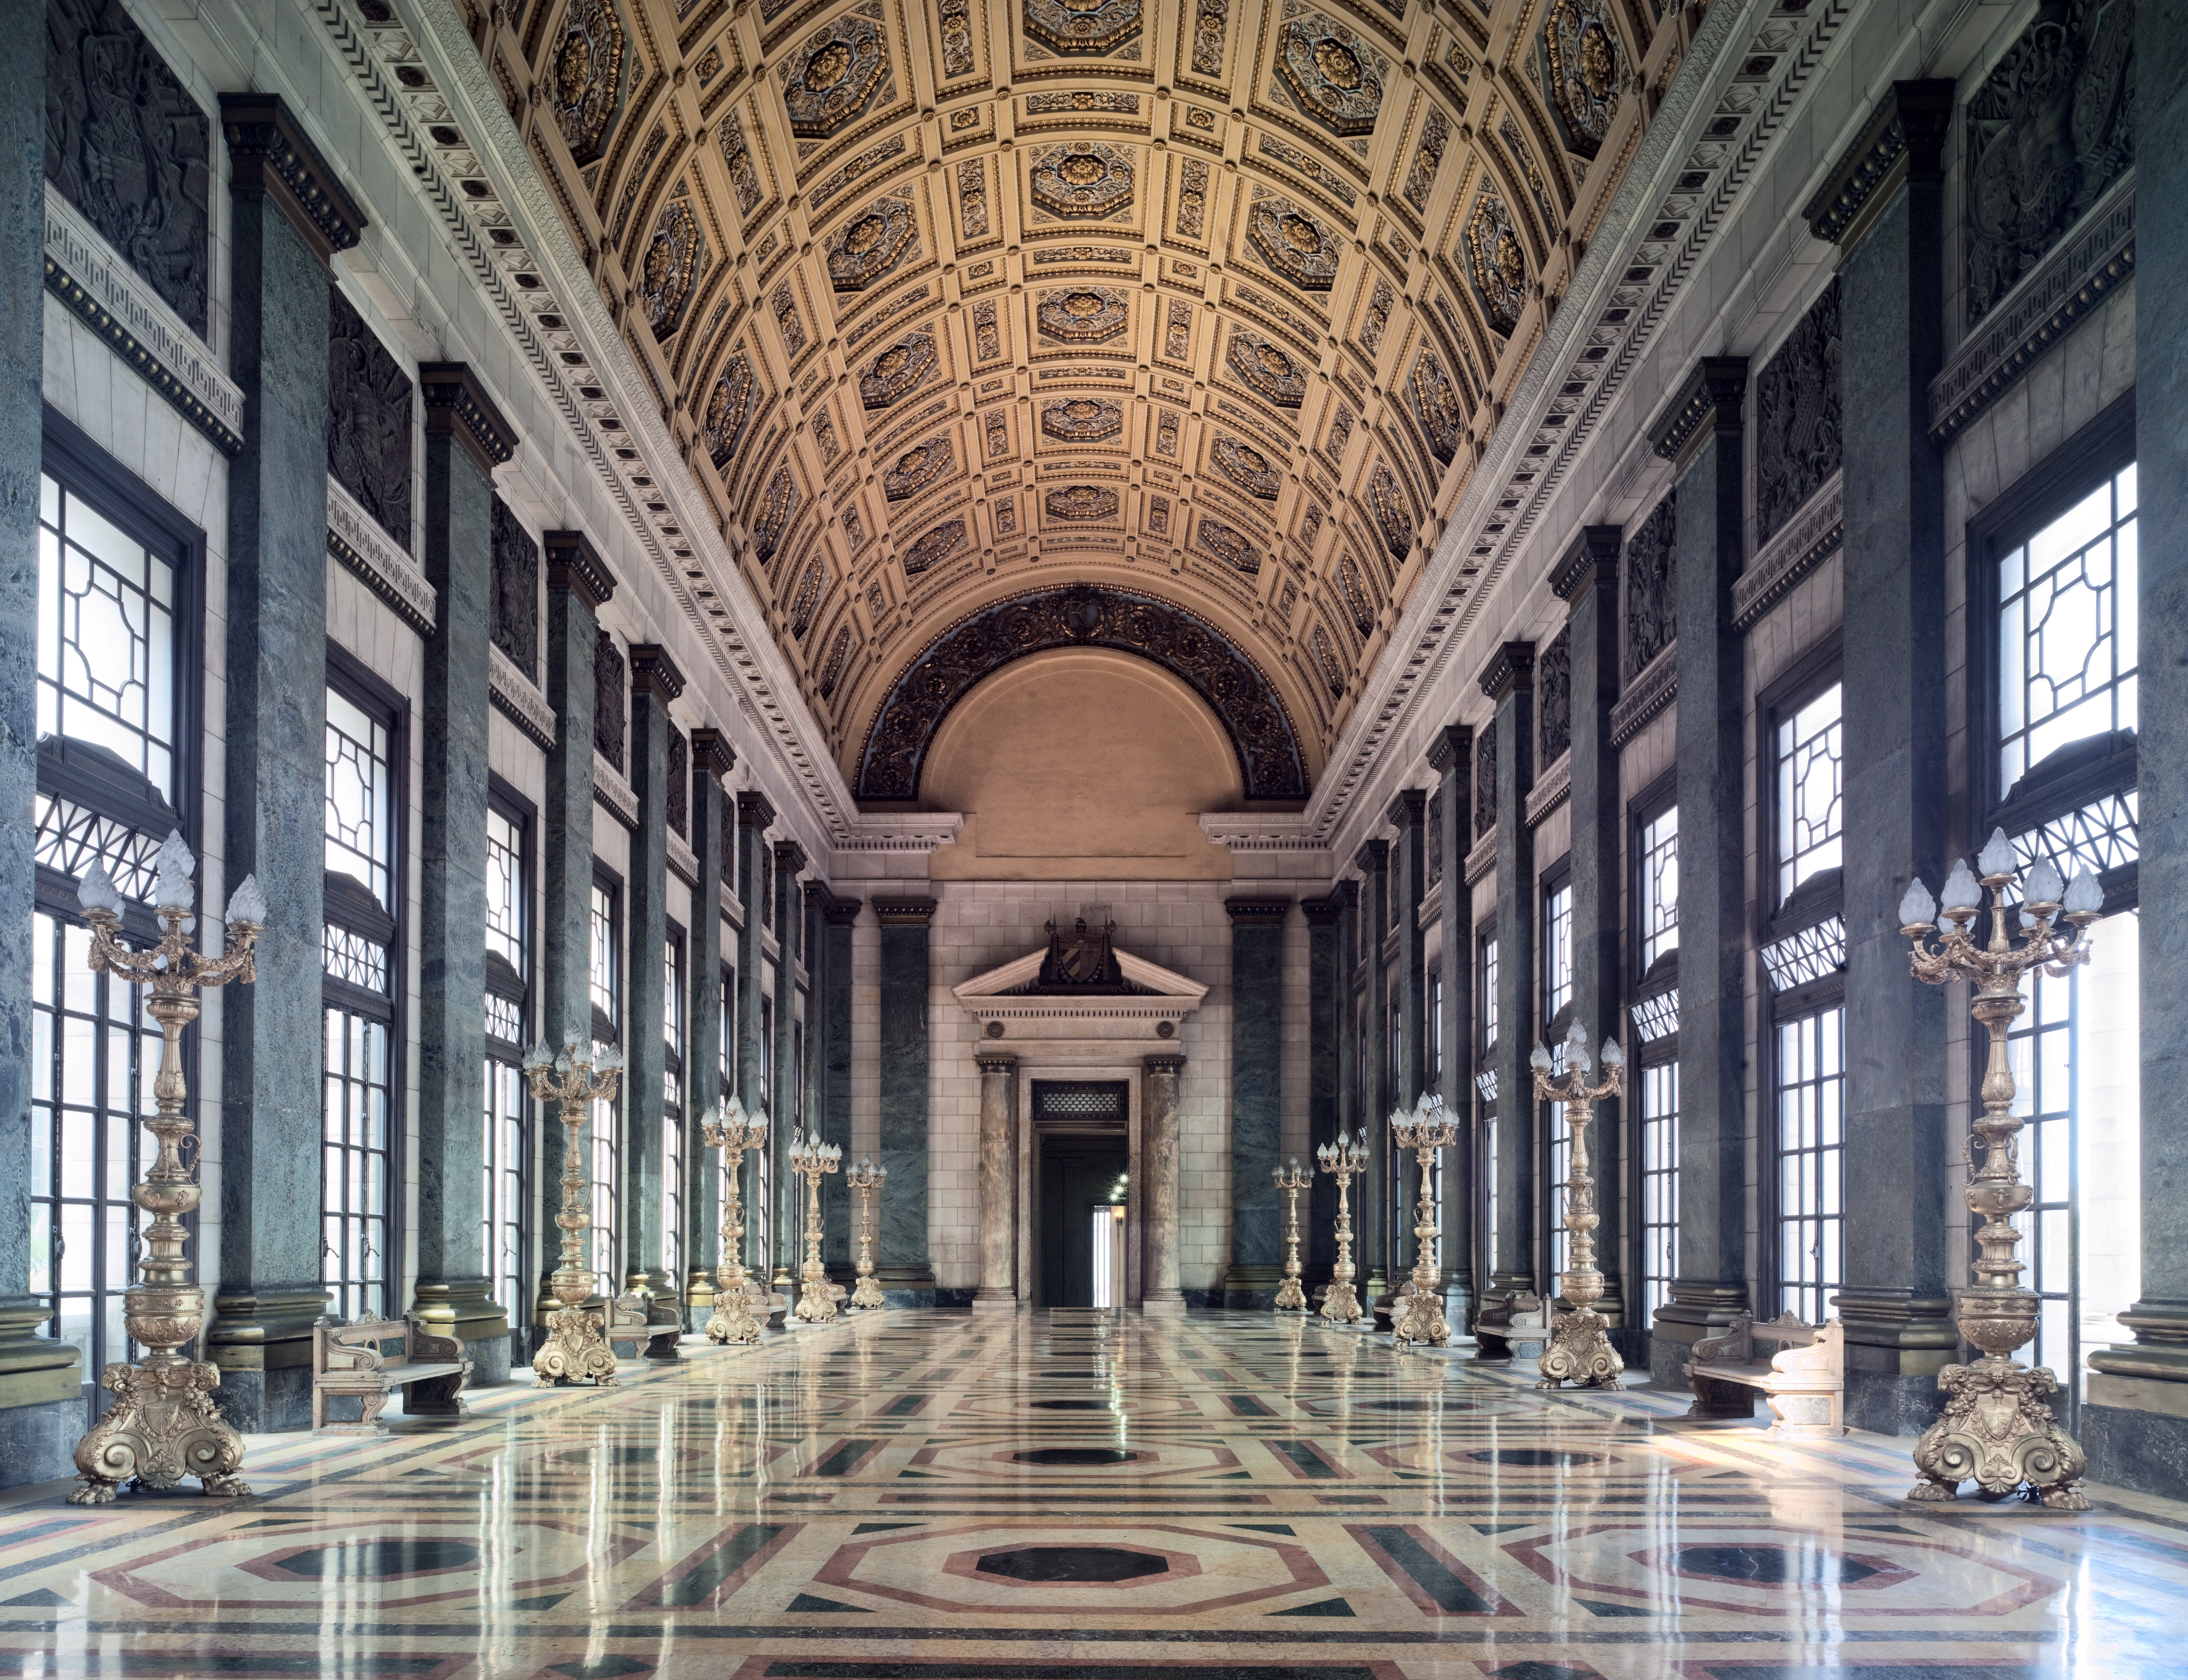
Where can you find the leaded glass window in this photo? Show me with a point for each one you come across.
(506, 1118)
(508, 1107)
(360, 797)
(604, 1133)
(1810, 813)
(353, 1196)
(1660, 1184)
(2066, 653)
(604, 979)
(1811, 1142)
(506, 900)
(1557, 951)
(1659, 904)
(672, 1115)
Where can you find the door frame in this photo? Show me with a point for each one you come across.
(1127, 1073)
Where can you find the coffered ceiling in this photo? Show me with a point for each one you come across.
(986, 326)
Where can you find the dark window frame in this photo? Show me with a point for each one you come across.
(1822, 896)
(1659, 797)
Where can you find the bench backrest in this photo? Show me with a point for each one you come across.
(363, 1344)
(1787, 1331)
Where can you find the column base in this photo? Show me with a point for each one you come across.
(42, 1409)
(908, 1284)
(1699, 1307)
(465, 1308)
(1897, 1342)
(1250, 1289)
(260, 1339)
(1162, 1306)
(993, 1302)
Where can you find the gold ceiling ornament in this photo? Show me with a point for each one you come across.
(1269, 370)
(674, 258)
(1495, 262)
(738, 159)
(577, 1348)
(584, 78)
(163, 1425)
(1580, 1350)
(1086, 180)
(898, 370)
(1078, 420)
(1996, 1429)
(777, 505)
(1080, 502)
(1227, 546)
(937, 546)
(1586, 71)
(1294, 243)
(1394, 516)
(918, 467)
(1331, 73)
(872, 244)
(835, 78)
(1082, 28)
(1436, 406)
(1246, 467)
(729, 409)
(1084, 315)
(1426, 1129)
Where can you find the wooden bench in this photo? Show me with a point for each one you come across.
(1804, 1381)
(1519, 1328)
(351, 1359)
(630, 1322)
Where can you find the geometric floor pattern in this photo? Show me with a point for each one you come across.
(925, 1496)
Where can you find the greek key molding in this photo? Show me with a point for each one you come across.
(515, 698)
(1482, 859)
(355, 539)
(1550, 791)
(1655, 687)
(1809, 537)
(612, 794)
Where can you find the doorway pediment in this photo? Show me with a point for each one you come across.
(1006, 995)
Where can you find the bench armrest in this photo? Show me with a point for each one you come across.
(426, 1345)
(1734, 1345)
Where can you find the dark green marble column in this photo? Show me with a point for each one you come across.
(1509, 683)
(1257, 1090)
(711, 820)
(1700, 431)
(788, 1104)
(465, 439)
(830, 1032)
(41, 1386)
(275, 730)
(578, 585)
(655, 681)
(901, 1263)
(1451, 755)
(1374, 1190)
(1408, 816)
(1318, 1209)
(1894, 1302)
(2134, 1424)
(1588, 581)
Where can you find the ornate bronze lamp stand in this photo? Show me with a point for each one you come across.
(733, 1134)
(866, 1179)
(1996, 1429)
(1344, 1160)
(162, 1425)
(1291, 1180)
(812, 1160)
(577, 1345)
(1580, 1350)
(1425, 1130)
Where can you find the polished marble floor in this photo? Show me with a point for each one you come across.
(930, 1497)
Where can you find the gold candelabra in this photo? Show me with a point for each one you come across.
(162, 1426)
(866, 1180)
(1580, 1350)
(576, 1345)
(812, 1160)
(1997, 1429)
(1343, 1160)
(1291, 1180)
(734, 1134)
(1424, 1131)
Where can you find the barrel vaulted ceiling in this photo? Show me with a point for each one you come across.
(1213, 305)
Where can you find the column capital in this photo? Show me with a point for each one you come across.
(1257, 910)
(753, 810)
(1322, 912)
(995, 1061)
(1409, 810)
(1713, 399)
(1344, 895)
(1509, 669)
(905, 912)
(268, 152)
(1373, 858)
(1452, 748)
(1908, 127)
(653, 672)
(711, 753)
(457, 406)
(1592, 563)
(789, 858)
(837, 912)
(1163, 1062)
(574, 565)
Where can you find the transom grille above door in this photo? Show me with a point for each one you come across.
(1081, 1105)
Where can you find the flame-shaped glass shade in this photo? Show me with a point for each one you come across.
(1997, 856)
(1576, 1052)
(95, 892)
(1918, 909)
(1962, 890)
(2084, 896)
(1539, 1059)
(1613, 1057)
(609, 1061)
(173, 889)
(2044, 884)
(538, 1057)
(247, 904)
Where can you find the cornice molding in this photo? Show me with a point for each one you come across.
(790, 859)
(269, 153)
(612, 793)
(1905, 140)
(653, 672)
(1481, 859)
(753, 810)
(515, 698)
(1259, 912)
(1655, 687)
(711, 753)
(1408, 809)
(1550, 790)
(894, 912)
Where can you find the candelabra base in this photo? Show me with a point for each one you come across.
(1341, 1306)
(577, 1350)
(733, 1323)
(1580, 1352)
(1290, 1298)
(868, 1294)
(1998, 1432)
(1422, 1322)
(161, 1428)
(816, 1301)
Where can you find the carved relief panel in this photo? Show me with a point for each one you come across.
(1798, 440)
(516, 630)
(1651, 612)
(368, 420)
